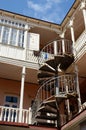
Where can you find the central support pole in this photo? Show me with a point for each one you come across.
(78, 90)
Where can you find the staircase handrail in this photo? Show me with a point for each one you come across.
(56, 47)
(67, 84)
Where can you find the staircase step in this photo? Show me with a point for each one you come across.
(55, 61)
(43, 122)
(42, 80)
(45, 117)
(47, 108)
(44, 74)
(46, 67)
(66, 62)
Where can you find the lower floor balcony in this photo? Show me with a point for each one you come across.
(9, 114)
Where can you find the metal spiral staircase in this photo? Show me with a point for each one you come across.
(53, 105)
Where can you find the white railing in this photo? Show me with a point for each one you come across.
(55, 48)
(9, 114)
(12, 52)
(80, 44)
(31, 56)
(57, 86)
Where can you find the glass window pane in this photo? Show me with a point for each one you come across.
(21, 38)
(13, 37)
(15, 99)
(5, 35)
(8, 99)
(11, 99)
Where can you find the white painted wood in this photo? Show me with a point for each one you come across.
(11, 52)
(7, 114)
(80, 45)
(33, 41)
(55, 47)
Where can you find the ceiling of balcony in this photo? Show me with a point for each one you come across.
(8, 71)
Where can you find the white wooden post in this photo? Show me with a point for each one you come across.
(72, 34)
(30, 115)
(68, 103)
(22, 93)
(78, 90)
(63, 43)
(55, 48)
(83, 4)
(26, 40)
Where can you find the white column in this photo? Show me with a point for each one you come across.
(22, 87)
(55, 48)
(78, 89)
(26, 40)
(22, 93)
(72, 34)
(63, 43)
(84, 11)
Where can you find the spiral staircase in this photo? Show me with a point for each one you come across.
(53, 105)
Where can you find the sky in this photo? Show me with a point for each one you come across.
(47, 10)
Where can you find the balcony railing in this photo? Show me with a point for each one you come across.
(18, 53)
(57, 86)
(11, 51)
(9, 114)
(80, 45)
(58, 47)
(31, 56)
(65, 84)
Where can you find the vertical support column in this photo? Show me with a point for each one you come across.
(68, 103)
(63, 43)
(26, 40)
(84, 11)
(30, 115)
(22, 93)
(77, 85)
(55, 48)
(72, 34)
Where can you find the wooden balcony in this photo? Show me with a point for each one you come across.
(15, 115)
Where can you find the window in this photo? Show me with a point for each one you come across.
(13, 37)
(5, 35)
(21, 38)
(11, 101)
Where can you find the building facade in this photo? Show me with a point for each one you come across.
(42, 71)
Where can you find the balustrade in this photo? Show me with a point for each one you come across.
(9, 114)
(55, 48)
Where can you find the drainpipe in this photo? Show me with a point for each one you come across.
(57, 87)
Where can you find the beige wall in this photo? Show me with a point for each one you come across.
(13, 87)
